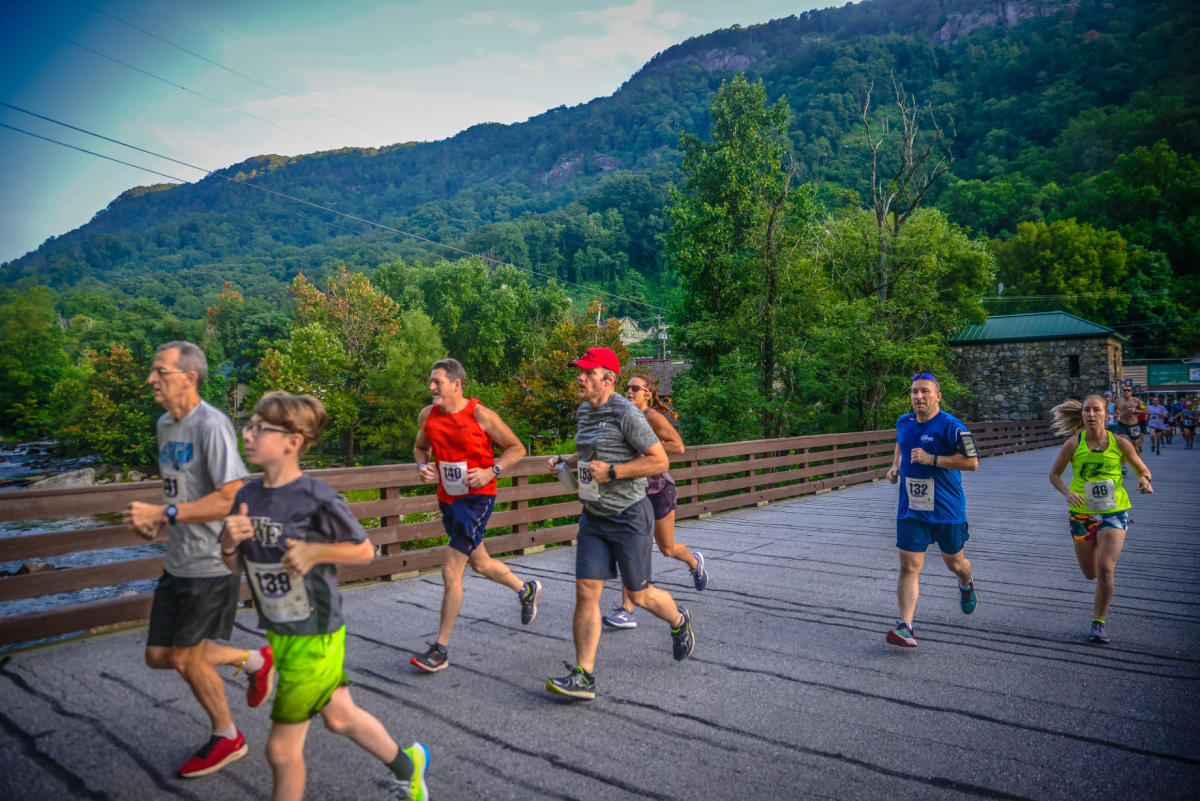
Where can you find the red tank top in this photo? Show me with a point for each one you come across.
(456, 438)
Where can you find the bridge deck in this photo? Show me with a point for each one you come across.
(792, 692)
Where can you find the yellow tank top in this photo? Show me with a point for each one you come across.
(1097, 477)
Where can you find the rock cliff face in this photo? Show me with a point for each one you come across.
(1003, 12)
(725, 58)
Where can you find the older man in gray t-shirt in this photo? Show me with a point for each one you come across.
(196, 597)
(615, 451)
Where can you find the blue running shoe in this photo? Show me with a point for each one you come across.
(699, 574)
(1098, 635)
(967, 599)
(576, 684)
(621, 618)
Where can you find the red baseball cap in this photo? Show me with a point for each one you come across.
(599, 357)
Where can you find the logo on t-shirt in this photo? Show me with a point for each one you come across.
(266, 532)
(176, 454)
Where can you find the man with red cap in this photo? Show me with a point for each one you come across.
(615, 451)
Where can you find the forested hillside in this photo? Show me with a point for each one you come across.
(1072, 127)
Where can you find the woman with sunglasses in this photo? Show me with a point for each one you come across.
(642, 392)
(1097, 504)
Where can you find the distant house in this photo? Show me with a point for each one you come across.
(1018, 366)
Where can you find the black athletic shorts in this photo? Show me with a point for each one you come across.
(622, 540)
(188, 610)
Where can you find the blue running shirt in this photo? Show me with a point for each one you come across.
(944, 435)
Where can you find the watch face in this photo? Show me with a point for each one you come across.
(496, 469)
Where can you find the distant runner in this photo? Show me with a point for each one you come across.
(454, 447)
(1096, 501)
(1187, 424)
(642, 392)
(931, 448)
(1127, 417)
(1159, 424)
(289, 532)
(616, 450)
(195, 600)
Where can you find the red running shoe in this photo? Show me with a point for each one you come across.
(214, 755)
(262, 681)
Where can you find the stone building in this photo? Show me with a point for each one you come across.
(1018, 366)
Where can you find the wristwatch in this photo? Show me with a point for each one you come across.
(171, 511)
(612, 473)
(496, 468)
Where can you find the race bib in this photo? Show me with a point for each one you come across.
(1135, 432)
(174, 487)
(280, 599)
(589, 488)
(920, 494)
(1100, 495)
(454, 477)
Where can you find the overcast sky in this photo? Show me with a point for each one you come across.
(294, 77)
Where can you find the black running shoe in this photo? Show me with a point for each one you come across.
(683, 642)
(529, 595)
(576, 684)
(433, 660)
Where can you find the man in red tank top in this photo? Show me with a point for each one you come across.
(454, 447)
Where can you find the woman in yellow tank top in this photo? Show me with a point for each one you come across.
(1096, 500)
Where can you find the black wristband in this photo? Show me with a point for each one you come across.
(935, 460)
(612, 473)
(228, 553)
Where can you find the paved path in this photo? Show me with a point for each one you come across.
(792, 692)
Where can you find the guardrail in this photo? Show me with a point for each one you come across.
(710, 478)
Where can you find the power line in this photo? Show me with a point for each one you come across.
(481, 257)
(1066, 296)
(208, 60)
(147, 73)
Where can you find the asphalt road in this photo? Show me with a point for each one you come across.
(792, 692)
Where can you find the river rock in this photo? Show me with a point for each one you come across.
(76, 478)
(34, 567)
(134, 475)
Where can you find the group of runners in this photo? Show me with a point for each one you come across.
(287, 531)
(1132, 417)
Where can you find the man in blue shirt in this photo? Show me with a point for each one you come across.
(931, 448)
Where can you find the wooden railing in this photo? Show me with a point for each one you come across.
(710, 478)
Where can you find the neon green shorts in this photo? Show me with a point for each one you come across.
(310, 669)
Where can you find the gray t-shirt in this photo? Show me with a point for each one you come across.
(196, 456)
(615, 432)
(305, 509)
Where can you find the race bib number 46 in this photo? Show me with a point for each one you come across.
(920, 494)
(1100, 495)
(281, 599)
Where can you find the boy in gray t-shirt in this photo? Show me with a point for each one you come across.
(615, 451)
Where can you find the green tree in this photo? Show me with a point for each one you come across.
(338, 343)
(1066, 265)
(876, 330)
(32, 360)
(541, 399)
(401, 387)
(109, 411)
(738, 229)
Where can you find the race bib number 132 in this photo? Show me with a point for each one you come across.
(920, 494)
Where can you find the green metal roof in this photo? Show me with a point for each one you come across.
(1037, 325)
